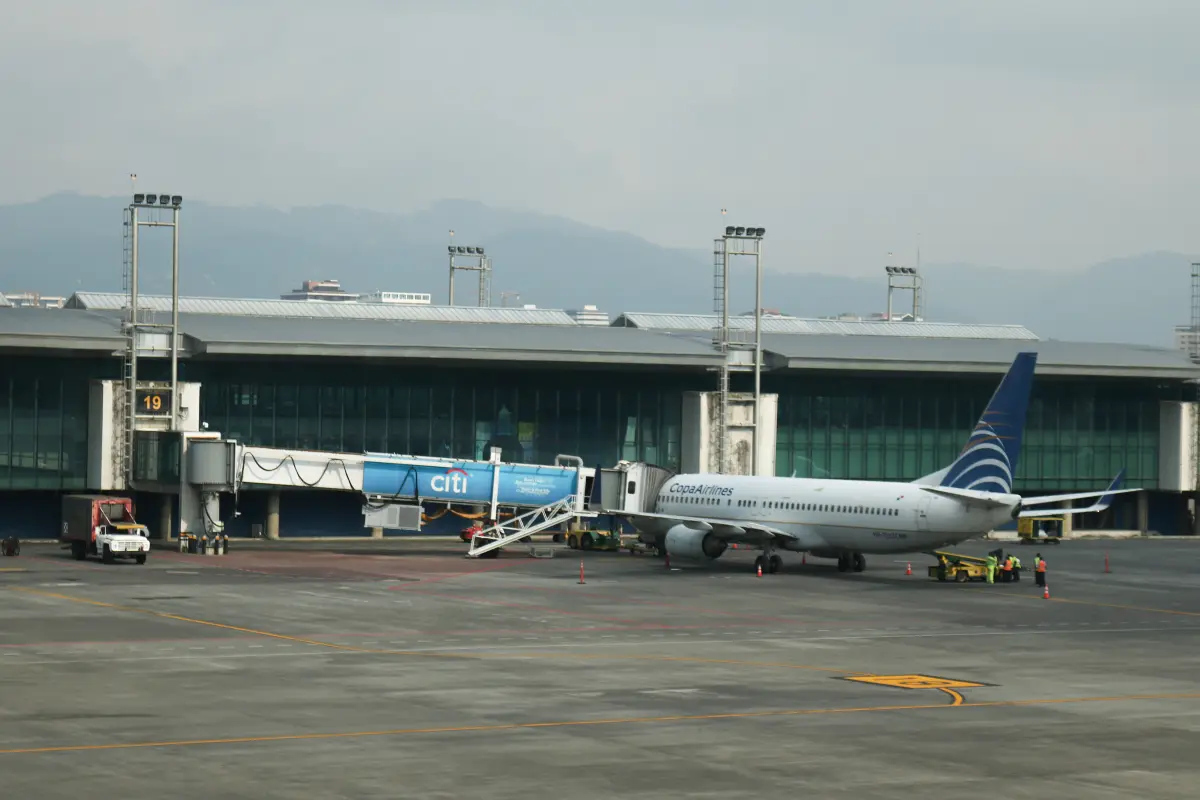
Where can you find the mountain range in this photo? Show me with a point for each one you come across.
(68, 242)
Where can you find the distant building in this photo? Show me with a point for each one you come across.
(589, 315)
(401, 298)
(33, 300)
(320, 290)
(1187, 339)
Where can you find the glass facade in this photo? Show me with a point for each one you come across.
(44, 423)
(600, 416)
(1079, 434)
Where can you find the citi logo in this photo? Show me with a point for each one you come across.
(454, 481)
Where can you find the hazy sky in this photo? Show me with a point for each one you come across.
(1017, 132)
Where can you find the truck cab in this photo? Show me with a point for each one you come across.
(121, 540)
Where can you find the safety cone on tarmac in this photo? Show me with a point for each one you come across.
(581, 570)
(804, 559)
(760, 569)
(1046, 592)
(908, 569)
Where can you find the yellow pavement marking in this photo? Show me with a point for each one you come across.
(13, 569)
(915, 682)
(958, 698)
(429, 653)
(799, 712)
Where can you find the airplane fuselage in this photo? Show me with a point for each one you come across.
(828, 517)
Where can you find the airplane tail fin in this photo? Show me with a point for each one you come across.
(988, 461)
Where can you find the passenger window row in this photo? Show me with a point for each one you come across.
(785, 506)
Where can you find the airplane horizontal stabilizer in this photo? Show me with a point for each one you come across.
(969, 496)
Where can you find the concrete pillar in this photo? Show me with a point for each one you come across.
(1143, 512)
(166, 519)
(273, 515)
(376, 533)
(1068, 524)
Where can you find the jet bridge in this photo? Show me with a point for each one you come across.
(395, 488)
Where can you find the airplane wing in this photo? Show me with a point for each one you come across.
(1104, 501)
(741, 531)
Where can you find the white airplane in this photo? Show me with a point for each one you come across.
(699, 516)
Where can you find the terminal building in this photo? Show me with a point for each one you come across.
(876, 400)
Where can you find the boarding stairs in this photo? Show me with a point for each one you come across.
(514, 530)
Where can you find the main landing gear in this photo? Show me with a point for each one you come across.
(852, 561)
(768, 562)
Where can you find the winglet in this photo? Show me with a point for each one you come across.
(1106, 500)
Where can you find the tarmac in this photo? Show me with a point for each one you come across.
(403, 670)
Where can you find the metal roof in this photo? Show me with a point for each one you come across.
(216, 335)
(323, 309)
(797, 325)
(884, 354)
(230, 336)
(55, 329)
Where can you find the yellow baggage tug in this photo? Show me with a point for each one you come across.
(960, 568)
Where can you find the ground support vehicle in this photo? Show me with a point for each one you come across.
(103, 525)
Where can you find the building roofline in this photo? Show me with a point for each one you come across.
(991, 366)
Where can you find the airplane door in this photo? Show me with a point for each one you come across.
(922, 513)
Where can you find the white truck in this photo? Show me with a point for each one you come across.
(102, 525)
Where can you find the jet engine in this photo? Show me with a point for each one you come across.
(685, 542)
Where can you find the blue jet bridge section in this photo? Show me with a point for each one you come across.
(475, 482)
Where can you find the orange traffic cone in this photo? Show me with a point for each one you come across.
(1046, 592)
(735, 545)
(760, 570)
(908, 569)
(803, 559)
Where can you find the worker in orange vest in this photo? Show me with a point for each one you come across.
(1039, 569)
(1007, 570)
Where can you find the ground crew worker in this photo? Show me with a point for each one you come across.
(1007, 576)
(1016, 568)
(1039, 569)
(991, 568)
(943, 567)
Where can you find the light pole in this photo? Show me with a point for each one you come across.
(906, 279)
(156, 406)
(737, 241)
(478, 262)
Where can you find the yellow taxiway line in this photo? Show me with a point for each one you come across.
(799, 712)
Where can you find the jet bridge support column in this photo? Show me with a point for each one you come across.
(272, 527)
(166, 517)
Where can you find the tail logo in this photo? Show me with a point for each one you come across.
(984, 464)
